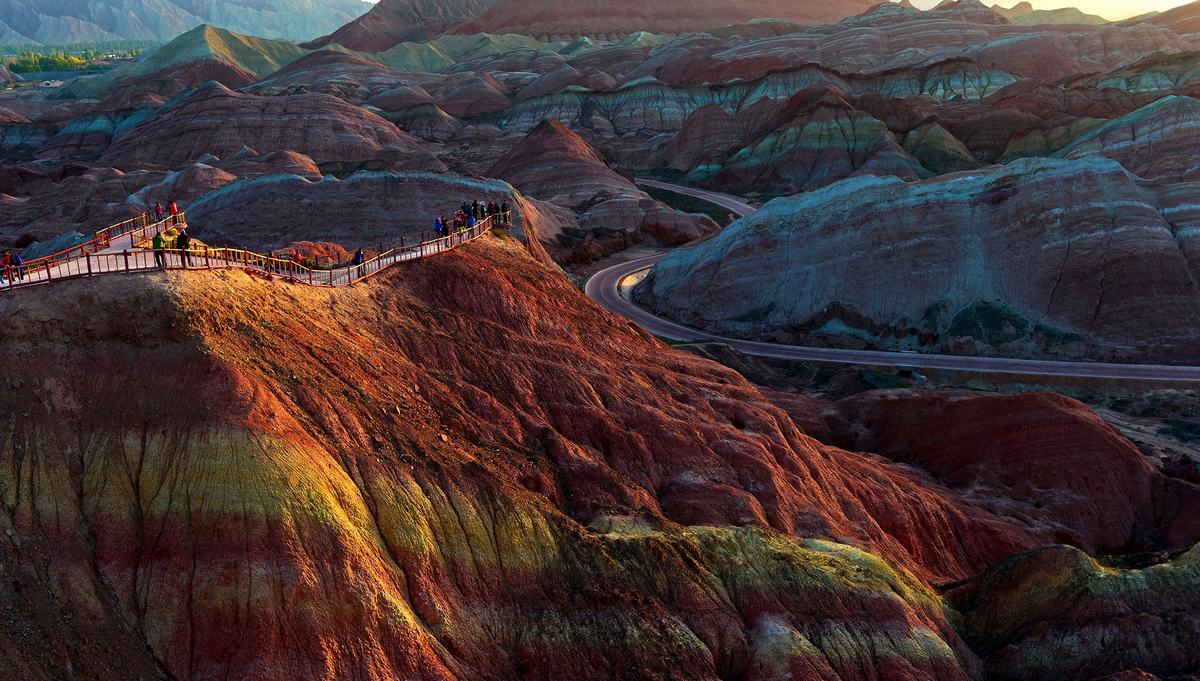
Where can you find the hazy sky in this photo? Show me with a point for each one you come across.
(1110, 9)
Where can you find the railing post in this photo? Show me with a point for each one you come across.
(126, 260)
(88, 258)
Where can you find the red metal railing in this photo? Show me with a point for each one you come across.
(142, 260)
(104, 237)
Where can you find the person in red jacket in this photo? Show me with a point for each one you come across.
(174, 208)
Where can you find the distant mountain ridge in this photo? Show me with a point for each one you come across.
(83, 21)
(395, 21)
(1024, 14)
(253, 56)
(559, 19)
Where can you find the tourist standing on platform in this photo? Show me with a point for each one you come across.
(159, 243)
(183, 242)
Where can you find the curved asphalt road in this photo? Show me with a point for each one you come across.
(733, 203)
(604, 288)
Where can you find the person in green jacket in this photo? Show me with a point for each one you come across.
(159, 243)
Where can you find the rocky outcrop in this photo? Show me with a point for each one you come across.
(820, 135)
(475, 97)
(1055, 613)
(470, 54)
(567, 76)
(154, 89)
(1036, 258)
(937, 150)
(1156, 141)
(821, 138)
(85, 137)
(401, 98)
(1018, 472)
(707, 138)
(645, 107)
(555, 164)
(248, 163)
(1157, 73)
(216, 121)
(428, 122)
(1029, 118)
(346, 76)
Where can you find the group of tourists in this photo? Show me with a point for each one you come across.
(12, 265)
(183, 244)
(159, 215)
(471, 214)
(466, 218)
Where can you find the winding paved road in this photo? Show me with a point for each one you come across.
(604, 288)
(733, 203)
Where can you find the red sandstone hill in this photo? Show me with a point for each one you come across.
(558, 18)
(1184, 19)
(172, 80)
(553, 162)
(465, 470)
(557, 165)
(393, 21)
(214, 120)
(1105, 272)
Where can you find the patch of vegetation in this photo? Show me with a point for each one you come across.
(1055, 338)
(101, 48)
(989, 322)
(690, 204)
(1120, 404)
(935, 314)
(885, 381)
(1184, 431)
(30, 62)
(758, 314)
(33, 60)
